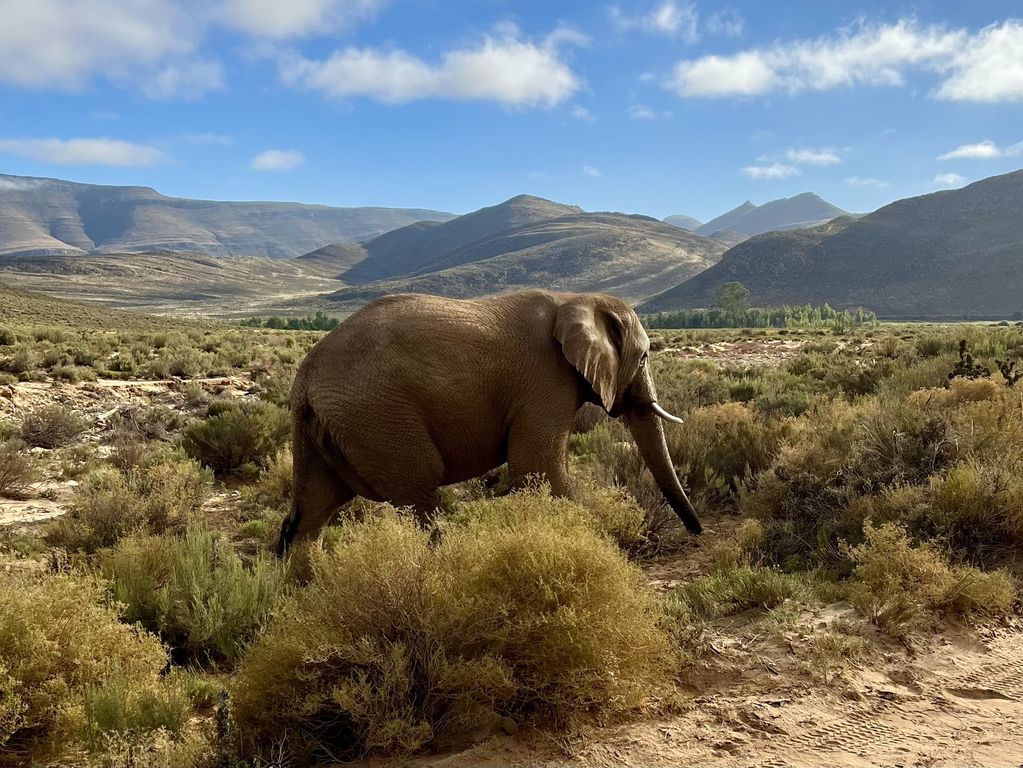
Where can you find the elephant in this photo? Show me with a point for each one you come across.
(413, 392)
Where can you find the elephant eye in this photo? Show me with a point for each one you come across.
(642, 360)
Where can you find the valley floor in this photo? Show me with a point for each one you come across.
(766, 693)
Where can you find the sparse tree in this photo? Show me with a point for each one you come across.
(733, 297)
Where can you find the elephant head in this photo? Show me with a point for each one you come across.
(606, 343)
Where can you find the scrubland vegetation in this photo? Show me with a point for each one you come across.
(149, 625)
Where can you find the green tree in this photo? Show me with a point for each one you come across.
(733, 297)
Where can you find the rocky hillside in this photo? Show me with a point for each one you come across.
(410, 248)
(949, 254)
(50, 216)
(805, 210)
(683, 221)
(631, 256)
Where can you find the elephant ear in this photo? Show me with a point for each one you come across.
(585, 335)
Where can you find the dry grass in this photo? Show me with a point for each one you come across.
(523, 610)
(71, 674)
(899, 586)
(146, 498)
(17, 471)
(52, 426)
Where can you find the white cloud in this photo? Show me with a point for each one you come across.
(806, 156)
(277, 160)
(949, 179)
(728, 22)
(982, 66)
(667, 18)
(207, 138)
(295, 18)
(744, 74)
(589, 170)
(83, 151)
(65, 44)
(982, 150)
(582, 113)
(772, 171)
(641, 112)
(505, 69)
(866, 181)
(186, 80)
(990, 67)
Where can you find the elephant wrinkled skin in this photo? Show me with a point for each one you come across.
(413, 392)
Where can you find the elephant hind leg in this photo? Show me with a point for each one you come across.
(318, 492)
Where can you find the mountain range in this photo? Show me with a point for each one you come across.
(51, 216)
(949, 254)
(746, 220)
(631, 256)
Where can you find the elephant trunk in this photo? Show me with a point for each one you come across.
(648, 433)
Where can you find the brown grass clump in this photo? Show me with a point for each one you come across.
(522, 611)
(17, 472)
(721, 447)
(52, 426)
(274, 488)
(72, 675)
(147, 498)
(899, 586)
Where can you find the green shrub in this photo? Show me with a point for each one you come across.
(17, 471)
(898, 586)
(237, 434)
(8, 338)
(721, 447)
(276, 387)
(73, 373)
(522, 610)
(609, 458)
(52, 426)
(733, 590)
(63, 652)
(194, 591)
(274, 487)
(148, 498)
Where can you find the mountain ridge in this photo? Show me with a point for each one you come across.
(54, 216)
(952, 253)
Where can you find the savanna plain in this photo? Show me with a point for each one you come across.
(854, 599)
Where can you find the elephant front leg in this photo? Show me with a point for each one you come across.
(539, 449)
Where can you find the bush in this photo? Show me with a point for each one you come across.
(522, 610)
(52, 426)
(194, 591)
(276, 388)
(898, 586)
(733, 590)
(148, 498)
(274, 488)
(609, 458)
(17, 472)
(720, 448)
(238, 435)
(8, 338)
(63, 654)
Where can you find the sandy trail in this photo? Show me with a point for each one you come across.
(961, 704)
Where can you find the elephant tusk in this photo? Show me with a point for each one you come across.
(664, 414)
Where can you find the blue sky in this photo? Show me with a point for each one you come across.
(650, 107)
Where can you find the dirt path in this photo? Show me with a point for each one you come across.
(958, 704)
